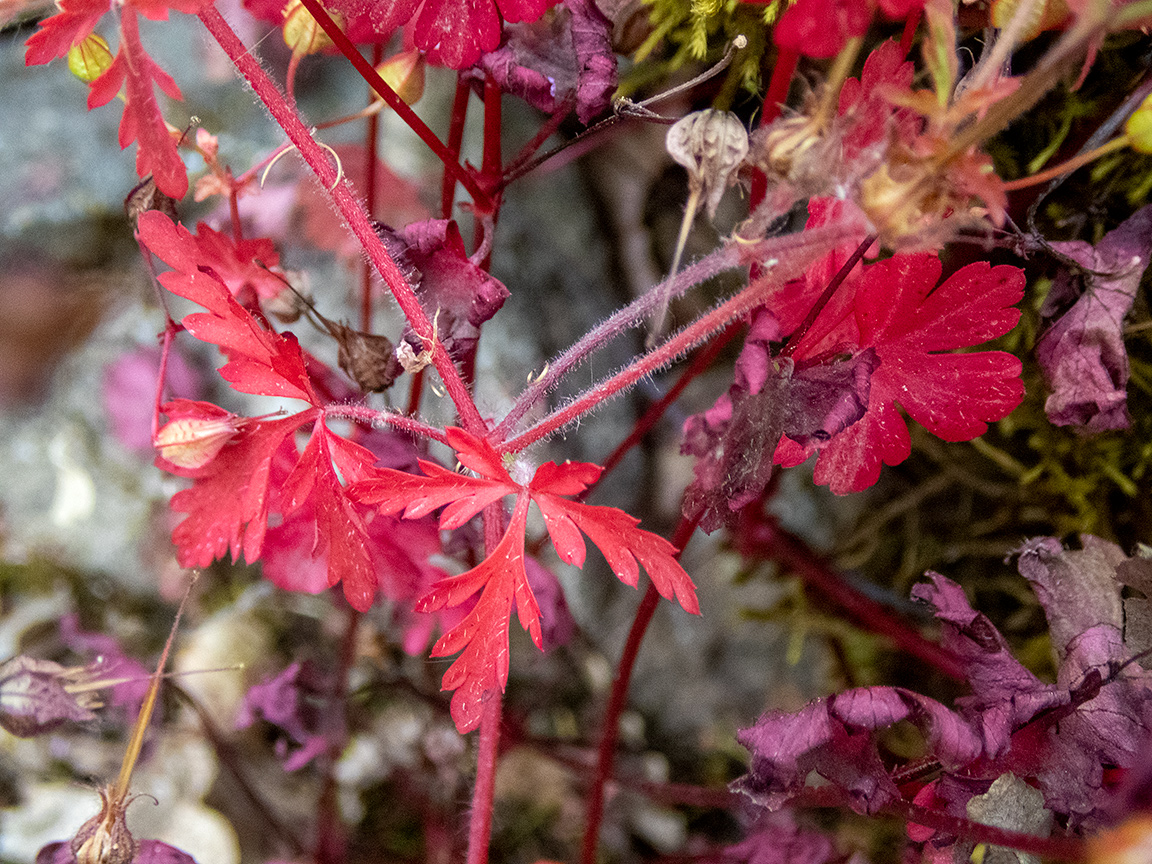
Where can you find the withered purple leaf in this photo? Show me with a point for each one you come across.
(736, 439)
(34, 696)
(1082, 354)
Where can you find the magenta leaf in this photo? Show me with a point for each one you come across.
(291, 701)
(454, 291)
(735, 441)
(1082, 354)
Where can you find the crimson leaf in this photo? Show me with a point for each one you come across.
(501, 579)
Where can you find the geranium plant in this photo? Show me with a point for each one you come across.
(900, 286)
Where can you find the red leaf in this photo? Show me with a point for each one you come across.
(142, 121)
(900, 313)
(228, 505)
(70, 26)
(501, 580)
(260, 361)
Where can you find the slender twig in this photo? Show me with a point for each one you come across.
(402, 109)
(350, 207)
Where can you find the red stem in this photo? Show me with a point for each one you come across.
(371, 142)
(393, 101)
(455, 140)
(234, 206)
(693, 334)
(372, 417)
(1061, 848)
(330, 837)
(483, 794)
(823, 299)
(909, 34)
(414, 393)
(778, 84)
(350, 207)
(606, 753)
(760, 539)
(492, 166)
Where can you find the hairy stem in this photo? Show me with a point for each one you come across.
(402, 109)
(349, 206)
(785, 258)
(399, 422)
(483, 794)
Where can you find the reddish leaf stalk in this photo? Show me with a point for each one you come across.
(483, 793)
(606, 753)
(371, 143)
(350, 207)
(402, 109)
(372, 417)
(1061, 848)
(455, 141)
(792, 253)
(700, 364)
(778, 84)
(492, 164)
(690, 336)
(775, 544)
(909, 34)
(330, 837)
(823, 299)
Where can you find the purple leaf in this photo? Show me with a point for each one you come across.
(291, 701)
(736, 439)
(563, 58)
(596, 61)
(451, 286)
(34, 698)
(1078, 589)
(1082, 354)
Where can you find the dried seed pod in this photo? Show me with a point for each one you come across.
(105, 838)
(711, 144)
(368, 359)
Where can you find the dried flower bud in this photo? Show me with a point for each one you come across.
(711, 145)
(193, 442)
(368, 359)
(105, 838)
(302, 33)
(89, 58)
(404, 73)
(34, 696)
(144, 197)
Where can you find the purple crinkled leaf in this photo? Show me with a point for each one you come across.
(1082, 354)
(596, 61)
(562, 59)
(736, 438)
(33, 697)
(1077, 588)
(459, 294)
(833, 737)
